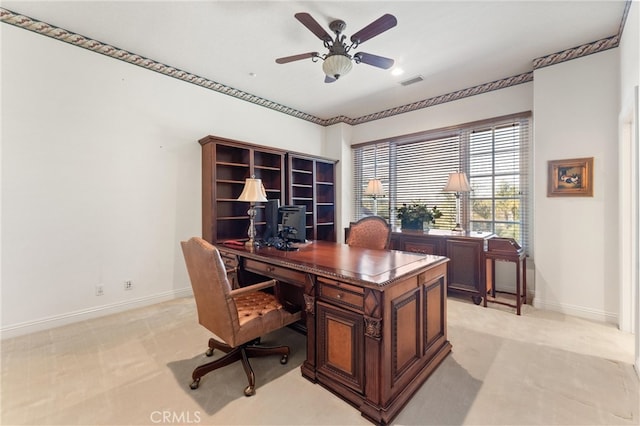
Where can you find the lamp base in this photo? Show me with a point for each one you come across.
(458, 229)
(251, 233)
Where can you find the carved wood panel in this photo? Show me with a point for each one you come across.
(406, 336)
(434, 313)
(467, 253)
(340, 345)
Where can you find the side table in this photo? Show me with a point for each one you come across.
(506, 250)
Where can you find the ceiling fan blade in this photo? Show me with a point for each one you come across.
(313, 26)
(375, 60)
(297, 57)
(328, 79)
(378, 26)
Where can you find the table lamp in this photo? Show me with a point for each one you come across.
(375, 191)
(252, 192)
(457, 183)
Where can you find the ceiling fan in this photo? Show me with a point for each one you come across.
(338, 62)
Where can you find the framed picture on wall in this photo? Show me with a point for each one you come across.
(570, 178)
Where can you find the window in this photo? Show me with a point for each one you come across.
(493, 153)
(497, 159)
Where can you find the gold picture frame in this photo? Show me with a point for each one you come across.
(570, 178)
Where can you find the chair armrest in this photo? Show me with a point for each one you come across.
(252, 288)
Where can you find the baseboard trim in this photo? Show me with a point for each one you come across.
(578, 311)
(95, 312)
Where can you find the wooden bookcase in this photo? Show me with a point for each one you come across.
(225, 166)
(310, 181)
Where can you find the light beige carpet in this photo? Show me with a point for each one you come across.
(541, 368)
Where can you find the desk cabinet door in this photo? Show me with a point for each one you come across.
(466, 268)
(340, 337)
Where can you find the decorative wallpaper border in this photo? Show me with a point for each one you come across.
(577, 52)
(25, 22)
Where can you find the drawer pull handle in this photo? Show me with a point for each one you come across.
(270, 269)
(339, 295)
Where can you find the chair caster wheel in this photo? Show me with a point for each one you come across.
(284, 359)
(195, 384)
(209, 352)
(249, 391)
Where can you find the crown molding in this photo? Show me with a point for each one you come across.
(27, 23)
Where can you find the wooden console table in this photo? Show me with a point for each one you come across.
(375, 319)
(466, 270)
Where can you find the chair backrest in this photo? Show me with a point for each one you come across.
(217, 310)
(370, 232)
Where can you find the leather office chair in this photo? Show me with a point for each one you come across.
(239, 317)
(370, 232)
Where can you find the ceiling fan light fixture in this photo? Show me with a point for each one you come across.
(337, 65)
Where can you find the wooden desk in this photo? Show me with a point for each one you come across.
(376, 319)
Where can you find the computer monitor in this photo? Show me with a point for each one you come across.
(293, 218)
(271, 219)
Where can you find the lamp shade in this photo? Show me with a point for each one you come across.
(337, 65)
(253, 191)
(457, 183)
(374, 188)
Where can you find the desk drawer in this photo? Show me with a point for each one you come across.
(230, 262)
(340, 293)
(277, 272)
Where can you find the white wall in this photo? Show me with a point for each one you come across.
(101, 177)
(575, 115)
(576, 239)
(488, 105)
(629, 164)
(337, 146)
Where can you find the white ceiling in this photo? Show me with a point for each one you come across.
(452, 44)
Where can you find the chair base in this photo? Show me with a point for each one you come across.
(242, 353)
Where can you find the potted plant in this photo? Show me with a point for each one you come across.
(415, 214)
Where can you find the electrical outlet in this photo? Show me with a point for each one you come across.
(128, 285)
(99, 290)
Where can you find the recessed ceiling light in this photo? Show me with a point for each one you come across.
(252, 74)
(397, 71)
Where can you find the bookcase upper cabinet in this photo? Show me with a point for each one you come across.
(225, 166)
(227, 163)
(311, 182)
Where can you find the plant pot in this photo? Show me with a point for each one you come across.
(412, 224)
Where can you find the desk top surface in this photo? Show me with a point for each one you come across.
(371, 268)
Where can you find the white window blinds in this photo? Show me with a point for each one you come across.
(499, 176)
(493, 153)
(422, 170)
